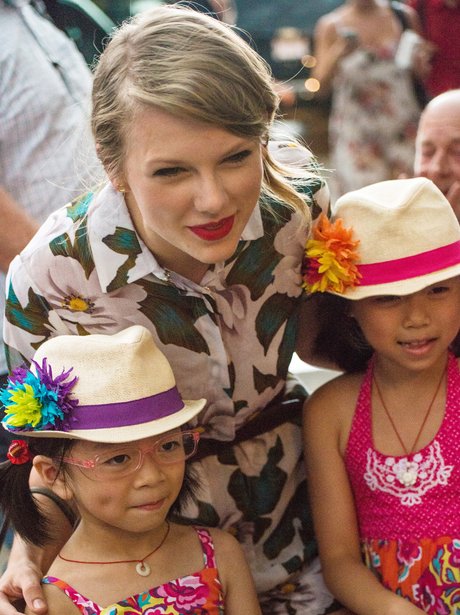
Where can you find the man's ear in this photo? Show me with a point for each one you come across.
(52, 476)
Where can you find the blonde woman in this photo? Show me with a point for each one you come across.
(199, 236)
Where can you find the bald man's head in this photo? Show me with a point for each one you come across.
(437, 150)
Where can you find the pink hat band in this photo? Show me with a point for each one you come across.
(410, 266)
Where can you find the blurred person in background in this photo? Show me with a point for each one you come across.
(437, 148)
(440, 21)
(45, 89)
(375, 111)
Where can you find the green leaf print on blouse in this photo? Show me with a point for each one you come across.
(263, 381)
(254, 267)
(289, 342)
(283, 535)
(123, 241)
(256, 496)
(256, 260)
(78, 250)
(314, 186)
(174, 319)
(32, 318)
(206, 515)
(271, 317)
(78, 209)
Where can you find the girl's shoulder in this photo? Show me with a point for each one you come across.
(332, 405)
(234, 573)
(341, 388)
(225, 544)
(222, 542)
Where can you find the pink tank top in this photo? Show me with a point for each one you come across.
(197, 593)
(415, 496)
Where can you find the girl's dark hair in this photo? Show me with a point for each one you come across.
(339, 337)
(17, 503)
(187, 493)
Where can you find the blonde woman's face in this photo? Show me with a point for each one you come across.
(191, 188)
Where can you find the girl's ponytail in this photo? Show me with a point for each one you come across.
(18, 505)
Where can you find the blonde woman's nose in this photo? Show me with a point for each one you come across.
(210, 195)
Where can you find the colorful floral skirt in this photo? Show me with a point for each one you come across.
(426, 571)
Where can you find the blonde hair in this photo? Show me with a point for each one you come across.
(191, 65)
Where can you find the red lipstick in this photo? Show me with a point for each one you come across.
(214, 231)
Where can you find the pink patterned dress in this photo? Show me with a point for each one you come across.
(199, 593)
(408, 507)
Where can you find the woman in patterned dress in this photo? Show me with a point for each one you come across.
(374, 110)
(199, 236)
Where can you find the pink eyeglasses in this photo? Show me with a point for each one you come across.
(126, 459)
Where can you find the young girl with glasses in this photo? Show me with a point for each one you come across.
(382, 439)
(110, 440)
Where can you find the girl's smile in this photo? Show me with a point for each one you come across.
(149, 506)
(419, 346)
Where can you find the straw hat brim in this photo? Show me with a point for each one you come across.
(128, 433)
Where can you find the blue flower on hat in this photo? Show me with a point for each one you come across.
(38, 401)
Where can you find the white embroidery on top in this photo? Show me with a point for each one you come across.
(407, 479)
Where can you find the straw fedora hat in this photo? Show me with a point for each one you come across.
(403, 236)
(102, 388)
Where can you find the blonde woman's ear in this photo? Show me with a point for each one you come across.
(49, 475)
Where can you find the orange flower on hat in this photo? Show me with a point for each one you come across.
(330, 258)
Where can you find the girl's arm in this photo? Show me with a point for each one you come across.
(238, 586)
(330, 47)
(327, 419)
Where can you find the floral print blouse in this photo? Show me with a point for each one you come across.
(87, 271)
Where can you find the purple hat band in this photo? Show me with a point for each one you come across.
(126, 413)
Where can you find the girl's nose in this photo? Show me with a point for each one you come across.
(149, 471)
(416, 314)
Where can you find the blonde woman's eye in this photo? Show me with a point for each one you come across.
(168, 172)
(240, 156)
